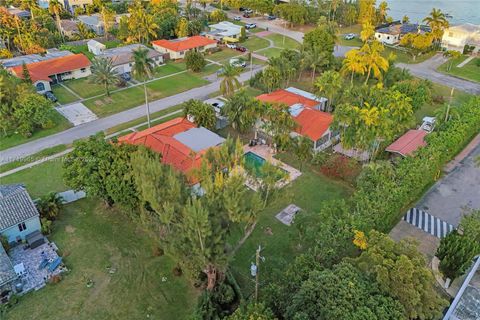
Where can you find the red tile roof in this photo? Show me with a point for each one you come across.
(312, 123)
(184, 44)
(408, 143)
(42, 70)
(160, 139)
(288, 98)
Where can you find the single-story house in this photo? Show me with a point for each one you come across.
(93, 22)
(18, 215)
(69, 5)
(225, 31)
(69, 27)
(393, 32)
(122, 57)
(457, 37)
(407, 144)
(180, 142)
(305, 109)
(96, 47)
(55, 70)
(31, 58)
(178, 47)
(23, 14)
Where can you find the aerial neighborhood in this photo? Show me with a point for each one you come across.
(239, 159)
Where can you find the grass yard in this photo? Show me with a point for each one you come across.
(84, 88)
(92, 239)
(169, 68)
(270, 52)
(63, 95)
(34, 157)
(223, 55)
(60, 124)
(208, 70)
(254, 43)
(279, 43)
(405, 57)
(134, 96)
(40, 179)
(470, 71)
(308, 192)
(356, 29)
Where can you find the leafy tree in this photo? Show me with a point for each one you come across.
(279, 124)
(142, 70)
(418, 43)
(26, 74)
(271, 78)
(353, 64)
(270, 175)
(182, 28)
(108, 18)
(295, 13)
(328, 84)
(322, 39)
(252, 311)
(218, 15)
(229, 83)
(5, 53)
(141, 23)
(84, 32)
(402, 273)
(242, 111)
(49, 205)
(302, 148)
(195, 61)
(32, 111)
(103, 73)
(420, 91)
(203, 114)
(373, 59)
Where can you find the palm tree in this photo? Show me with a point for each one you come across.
(328, 84)
(374, 61)
(103, 73)
(315, 58)
(142, 70)
(203, 114)
(368, 30)
(437, 22)
(108, 18)
(30, 5)
(55, 8)
(49, 205)
(230, 82)
(382, 11)
(353, 63)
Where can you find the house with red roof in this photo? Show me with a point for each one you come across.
(54, 70)
(180, 142)
(305, 108)
(177, 48)
(410, 142)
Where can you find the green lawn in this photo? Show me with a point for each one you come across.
(279, 42)
(208, 70)
(40, 179)
(93, 239)
(270, 52)
(169, 68)
(60, 124)
(225, 54)
(355, 42)
(308, 192)
(63, 95)
(34, 157)
(405, 57)
(133, 97)
(84, 88)
(254, 43)
(470, 71)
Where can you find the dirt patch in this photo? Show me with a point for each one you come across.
(70, 229)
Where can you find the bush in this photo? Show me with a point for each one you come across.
(46, 226)
(340, 167)
(195, 61)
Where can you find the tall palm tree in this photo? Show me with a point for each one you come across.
(315, 58)
(55, 8)
(368, 30)
(353, 63)
(229, 83)
(329, 84)
(142, 70)
(374, 61)
(108, 19)
(437, 22)
(382, 11)
(103, 73)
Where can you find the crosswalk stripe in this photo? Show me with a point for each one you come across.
(428, 223)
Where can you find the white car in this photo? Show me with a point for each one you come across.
(232, 45)
(250, 26)
(237, 18)
(236, 62)
(248, 11)
(349, 36)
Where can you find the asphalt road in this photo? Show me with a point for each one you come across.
(91, 128)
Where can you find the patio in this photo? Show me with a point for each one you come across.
(33, 277)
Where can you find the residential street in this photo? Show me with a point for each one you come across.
(427, 70)
(87, 129)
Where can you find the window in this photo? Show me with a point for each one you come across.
(182, 52)
(83, 69)
(388, 37)
(379, 36)
(40, 86)
(22, 226)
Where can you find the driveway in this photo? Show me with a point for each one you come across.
(455, 194)
(90, 128)
(428, 70)
(76, 113)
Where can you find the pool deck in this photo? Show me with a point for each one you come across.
(267, 153)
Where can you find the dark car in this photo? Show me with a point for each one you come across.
(241, 49)
(271, 17)
(245, 15)
(50, 96)
(126, 76)
(242, 9)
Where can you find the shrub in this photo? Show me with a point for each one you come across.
(195, 61)
(340, 167)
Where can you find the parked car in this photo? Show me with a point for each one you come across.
(237, 62)
(248, 11)
(349, 36)
(271, 17)
(50, 96)
(232, 45)
(242, 9)
(250, 26)
(126, 76)
(237, 18)
(246, 15)
(241, 49)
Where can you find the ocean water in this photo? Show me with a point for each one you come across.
(462, 11)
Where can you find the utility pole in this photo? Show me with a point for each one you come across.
(257, 262)
(448, 106)
(251, 64)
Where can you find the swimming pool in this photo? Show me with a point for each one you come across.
(254, 163)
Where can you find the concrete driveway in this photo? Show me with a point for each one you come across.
(77, 113)
(428, 70)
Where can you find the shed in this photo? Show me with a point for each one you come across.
(407, 144)
(95, 47)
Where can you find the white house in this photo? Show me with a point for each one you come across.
(54, 70)
(225, 31)
(177, 48)
(122, 57)
(392, 33)
(93, 22)
(95, 47)
(457, 37)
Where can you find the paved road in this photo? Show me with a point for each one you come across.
(87, 129)
(427, 70)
